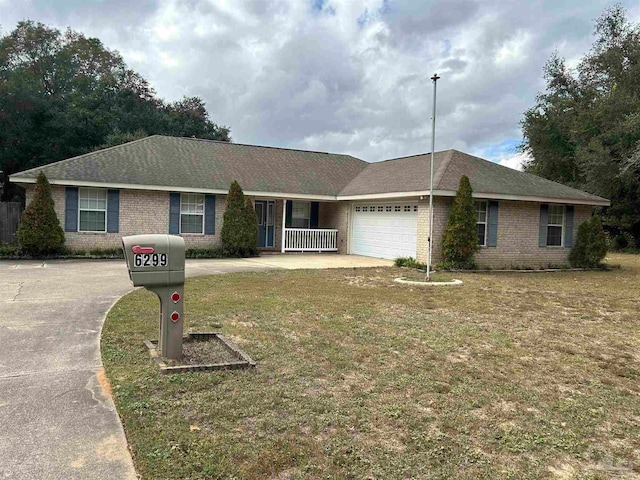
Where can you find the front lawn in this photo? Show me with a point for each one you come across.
(512, 375)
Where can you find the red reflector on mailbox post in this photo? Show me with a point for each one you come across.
(175, 316)
(175, 297)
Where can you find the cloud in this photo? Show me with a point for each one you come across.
(342, 75)
(515, 161)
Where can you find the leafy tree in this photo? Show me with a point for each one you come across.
(591, 244)
(239, 234)
(62, 94)
(39, 232)
(460, 237)
(584, 130)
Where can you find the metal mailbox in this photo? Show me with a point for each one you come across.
(156, 262)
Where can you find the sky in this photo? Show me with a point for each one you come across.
(343, 76)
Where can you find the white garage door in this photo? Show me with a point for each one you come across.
(385, 230)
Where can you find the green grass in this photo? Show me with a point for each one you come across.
(511, 375)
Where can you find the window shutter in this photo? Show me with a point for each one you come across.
(544, 222)
(315, 210)
(71, 210)
(113, 211)
(174, 213)
(492, 240)
(568, 226)
(289, 209)
(209, 214)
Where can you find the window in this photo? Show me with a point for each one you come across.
(260, 213)
(300, 214)
(270, 213)
(357, 209)
(407, 208)
(555, 225)
(192, 213)
(381, 208)
(388, 208)
(92, 210)
(396, 208)
(481, 214)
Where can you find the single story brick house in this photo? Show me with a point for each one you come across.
(309, 201)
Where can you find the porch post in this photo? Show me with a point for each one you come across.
(284, 221)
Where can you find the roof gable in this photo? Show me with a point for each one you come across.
(411, 174)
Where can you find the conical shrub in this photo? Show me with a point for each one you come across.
(460, 238)
(238, 235)
(39, 232)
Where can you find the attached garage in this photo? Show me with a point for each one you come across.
(385, 230)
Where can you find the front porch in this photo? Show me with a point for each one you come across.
(288, 225)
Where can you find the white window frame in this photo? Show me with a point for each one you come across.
(561, 225)
(308, 212)
(189, 197)
(486, 219)
(105, 209)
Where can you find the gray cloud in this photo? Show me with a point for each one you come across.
(348, 77)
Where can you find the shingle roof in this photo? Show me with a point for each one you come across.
(189, 163)
(411, 174)
(206, 164)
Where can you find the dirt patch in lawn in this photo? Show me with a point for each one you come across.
(203, 352)
(511, 375)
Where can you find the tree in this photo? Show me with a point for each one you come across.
(591, 245)
(460, 237)
(584, 130)
(239, 234)
(39, 232)
(62, 94)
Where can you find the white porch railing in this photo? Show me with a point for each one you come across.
(310, 240)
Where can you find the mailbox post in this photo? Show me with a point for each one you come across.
(156, 262)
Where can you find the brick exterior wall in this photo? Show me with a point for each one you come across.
(441, 207)
(141, 211)
(335, 215)
(518, 230)
(144, 211)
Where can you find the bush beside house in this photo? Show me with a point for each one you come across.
(239, 234)
(40, 232)
(460, 237)
(590, 246)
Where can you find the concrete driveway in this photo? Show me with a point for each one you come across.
(56, 419)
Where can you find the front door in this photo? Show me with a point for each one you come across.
(265, 211)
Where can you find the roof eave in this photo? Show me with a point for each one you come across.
(165, 188)
(595, 201)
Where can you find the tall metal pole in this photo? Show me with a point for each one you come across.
(435, 78)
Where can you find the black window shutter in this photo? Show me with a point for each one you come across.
(289, 213)
(209, 214)
(174, 213)
(113, 211)
(544, 222)
(315, 210)
(71, 210)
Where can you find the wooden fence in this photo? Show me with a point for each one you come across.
(9, 219)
